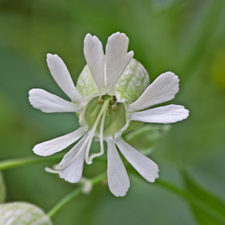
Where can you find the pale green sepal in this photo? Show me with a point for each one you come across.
(85, 84)
(147, 137)
(133, 125)
(21, 213)
(2, 189)
(132, 82)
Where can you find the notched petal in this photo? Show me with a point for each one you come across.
(117, 59)
(58, 144)
(118, 179)
(50, 103)
(163, 89)
(144, 166)
(71, 166)
(164, 114)
(62, 77)
(94, 55)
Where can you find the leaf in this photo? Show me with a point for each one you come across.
(2, 189)
(208, 208)
(22, 213)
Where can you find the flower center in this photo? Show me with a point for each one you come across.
(113, 117)
(104, 117)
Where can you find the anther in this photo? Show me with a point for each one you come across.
(112, 99)
(100, 101)
(114, 107)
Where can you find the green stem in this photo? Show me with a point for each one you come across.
(12, 163)
(94, 181)
(64, 201)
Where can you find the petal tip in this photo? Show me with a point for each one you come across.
(50, 57)
(31, 91)
(130, 54)
(187, 113)
(120, 193)
(68, 178)
(37, 151)
(87, 36)
(118, 35)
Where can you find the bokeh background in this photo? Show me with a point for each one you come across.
(183, 36)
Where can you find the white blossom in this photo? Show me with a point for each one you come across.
(112, 95)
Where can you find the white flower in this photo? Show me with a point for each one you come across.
(110, 96)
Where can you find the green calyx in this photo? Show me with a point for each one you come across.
(129, 87)
(109, 111)
(85, 84)
(107, 114)
(132, 82)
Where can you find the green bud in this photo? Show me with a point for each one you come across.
(22, 213)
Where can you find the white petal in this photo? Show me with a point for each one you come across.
(145, 166)
(49, 103)
(62, 77)
(58, 144)
(118, 179)
(94, 56)
(163, 114)
(73, 163)
(161, 90)
(117, 59)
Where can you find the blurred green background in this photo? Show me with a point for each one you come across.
(183, 36)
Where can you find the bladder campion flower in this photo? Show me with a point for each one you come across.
(112, 96)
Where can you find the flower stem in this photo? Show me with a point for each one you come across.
(12, 163)
(94, 181)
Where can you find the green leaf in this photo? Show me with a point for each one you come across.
(208, 208)
(2, 189)
(146, 138)
(22, 213)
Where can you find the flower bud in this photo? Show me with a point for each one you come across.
(22, 213)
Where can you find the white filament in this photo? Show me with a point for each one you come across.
(92, 132)
(101, 138)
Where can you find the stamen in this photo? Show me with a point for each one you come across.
(90, 137)
(100, 101)
(92, 132)
(112, 100)
(50, 170)
(101, 138)
(114, 107)
(88, 140)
